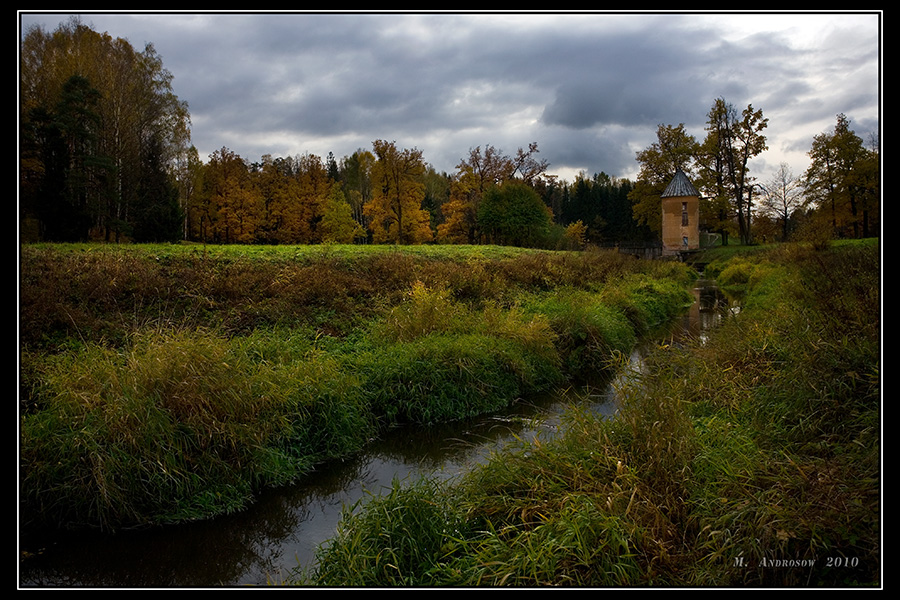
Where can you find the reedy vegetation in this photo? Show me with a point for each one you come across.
(758, 444)
(168, 383)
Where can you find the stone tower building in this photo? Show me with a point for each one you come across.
(680, 216)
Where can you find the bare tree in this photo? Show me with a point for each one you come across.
(783, 195)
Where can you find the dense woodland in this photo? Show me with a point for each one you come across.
(105, 154)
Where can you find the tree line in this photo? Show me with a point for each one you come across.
(105, 154)
(100, 131)
(391, 195)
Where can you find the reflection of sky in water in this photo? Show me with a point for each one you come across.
(283, 529)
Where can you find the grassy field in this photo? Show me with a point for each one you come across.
(169, 383)
(749, 458)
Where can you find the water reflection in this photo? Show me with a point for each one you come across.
(264, 543)
(711, 306)
(282, 530)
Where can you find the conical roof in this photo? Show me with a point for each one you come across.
(680, 186)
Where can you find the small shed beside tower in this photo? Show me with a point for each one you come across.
(680, 216)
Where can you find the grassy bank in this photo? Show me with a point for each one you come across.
(751, 458)
(168, 383)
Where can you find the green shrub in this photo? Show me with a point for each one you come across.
(424, 310)
(398, 540)
(588, 330)
(647, 302)
(181, 426)
(442, 377)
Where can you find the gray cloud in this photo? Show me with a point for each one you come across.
(589, 88)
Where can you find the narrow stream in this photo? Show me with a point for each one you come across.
(282, 530)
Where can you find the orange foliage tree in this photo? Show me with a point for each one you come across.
(228, 208)
(395, 210)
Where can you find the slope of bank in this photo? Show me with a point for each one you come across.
(748, 458)
(165, 384)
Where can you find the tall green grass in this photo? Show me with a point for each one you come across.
(793, 405)
(399, 536)
(759, 443)
(173, 386)
(181, 426)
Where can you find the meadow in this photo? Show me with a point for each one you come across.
(163, 384)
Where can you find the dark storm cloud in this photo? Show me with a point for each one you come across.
(591, 89)
(625, 83)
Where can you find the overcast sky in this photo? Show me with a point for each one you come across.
(589, 88)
